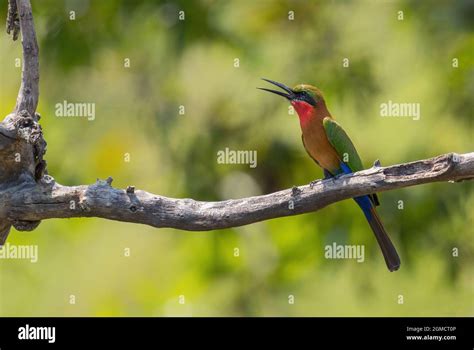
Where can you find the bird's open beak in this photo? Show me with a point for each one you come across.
(289, 93)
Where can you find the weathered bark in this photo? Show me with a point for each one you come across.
(22, 145)
(29, 89)
(47, 199)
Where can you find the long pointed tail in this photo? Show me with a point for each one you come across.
(388, 249)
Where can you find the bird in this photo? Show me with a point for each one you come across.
(330, 147)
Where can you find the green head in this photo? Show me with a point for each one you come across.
(308, 93)
(302, 93)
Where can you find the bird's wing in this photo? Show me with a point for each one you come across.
(342, 144)
(345, 148)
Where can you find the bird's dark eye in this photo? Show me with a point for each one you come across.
(306, 97)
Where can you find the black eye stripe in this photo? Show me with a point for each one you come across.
(306, 97)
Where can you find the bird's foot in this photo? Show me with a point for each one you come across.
(313, 183)
(295, 191)
(337, 176)
(327, 174)
(377, 164)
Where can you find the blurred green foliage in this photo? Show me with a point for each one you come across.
(191, 63)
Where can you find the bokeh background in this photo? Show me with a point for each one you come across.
(191, 63)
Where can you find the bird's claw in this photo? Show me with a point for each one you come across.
(377, 164)
(295, 191)
(327, 174)
(314, 182)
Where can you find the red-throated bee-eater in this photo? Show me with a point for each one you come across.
(330, 147)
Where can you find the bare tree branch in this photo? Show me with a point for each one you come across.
(29, 90)
(50, 200)
(22, 145)
(13, 23)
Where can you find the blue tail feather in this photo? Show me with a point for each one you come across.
(389, 252)
(366, 205)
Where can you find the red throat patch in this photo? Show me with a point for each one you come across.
(305, 111)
